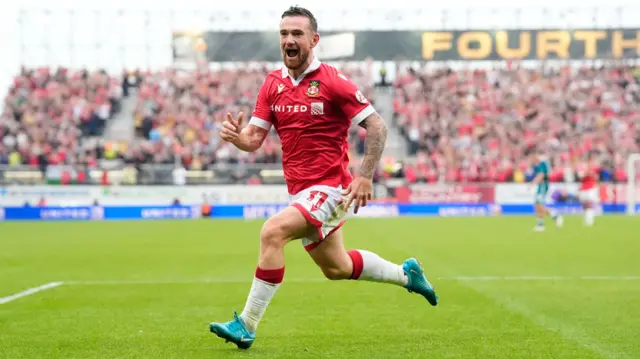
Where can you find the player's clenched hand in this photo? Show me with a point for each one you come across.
(231, 128)
(359, 192)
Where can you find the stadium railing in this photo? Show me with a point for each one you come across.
(118, 173)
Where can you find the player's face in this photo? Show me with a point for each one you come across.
(534, 159)
(296, 41)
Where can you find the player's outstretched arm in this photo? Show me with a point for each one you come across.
(247, 139)
(374, 144)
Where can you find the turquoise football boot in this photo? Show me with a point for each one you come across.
(418, 283)
(234, 331)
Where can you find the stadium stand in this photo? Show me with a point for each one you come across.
(461, 125)
(55, 117)
(479, 125)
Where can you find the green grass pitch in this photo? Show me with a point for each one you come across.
(149, 290)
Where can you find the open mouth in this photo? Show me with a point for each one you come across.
(291, 52)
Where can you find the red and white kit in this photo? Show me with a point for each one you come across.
(312, 116)
(588, 188)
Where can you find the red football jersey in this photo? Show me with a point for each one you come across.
(589, 179)
(312, 116)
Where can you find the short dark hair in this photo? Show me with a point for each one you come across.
(300, 11)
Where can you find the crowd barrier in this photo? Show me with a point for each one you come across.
(381, 210)
(82, 195)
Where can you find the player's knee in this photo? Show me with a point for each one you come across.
(334, 273)
(274, 233)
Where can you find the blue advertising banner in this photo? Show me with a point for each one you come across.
(46, 213)
(97, 213)
(265, 211)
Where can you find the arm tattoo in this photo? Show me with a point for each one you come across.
(374, 144)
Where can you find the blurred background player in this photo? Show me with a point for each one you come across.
(540, 180)
(205, 207)
(589, 192)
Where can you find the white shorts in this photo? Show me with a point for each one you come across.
(323, 207)
(590, 195)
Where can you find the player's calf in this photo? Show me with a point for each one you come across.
(362, 265)
(541, 211)
(337, 264)
(333, 260)
(337, 273)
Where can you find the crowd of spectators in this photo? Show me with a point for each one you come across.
(480, 125)
(52, 117)
(180, 113)
(464, 125)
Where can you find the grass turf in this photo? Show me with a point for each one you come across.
(149, 289)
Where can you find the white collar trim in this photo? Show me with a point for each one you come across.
(315, 64)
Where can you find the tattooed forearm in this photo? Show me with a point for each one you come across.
(373, 144)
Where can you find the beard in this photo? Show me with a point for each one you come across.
(296, 61)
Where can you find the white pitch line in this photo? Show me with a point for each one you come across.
(513, 278)
(538, 278)
(29, 291)
(47, 286)
(597, 277)
(315, 280)
(182, 281)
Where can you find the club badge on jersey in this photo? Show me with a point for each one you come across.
(314, 88)
(360, 97)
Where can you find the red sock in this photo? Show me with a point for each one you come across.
(358, 263)
(273, 276)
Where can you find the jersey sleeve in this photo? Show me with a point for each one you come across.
(262, 115)
(352, 102)
(537, 169)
